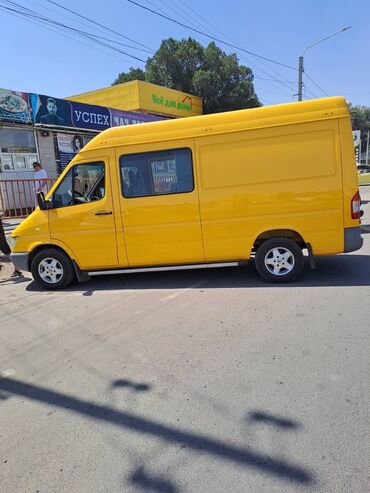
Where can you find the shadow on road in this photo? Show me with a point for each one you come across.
(128, 384)
(148, 482)
(194, 442)
(270, 419)
(336, 270)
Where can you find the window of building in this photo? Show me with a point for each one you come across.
(17, 149)
(157, 173)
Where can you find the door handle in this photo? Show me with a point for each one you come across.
(103, 213)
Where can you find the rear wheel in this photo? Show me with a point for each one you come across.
(279, 260)
(52, 269)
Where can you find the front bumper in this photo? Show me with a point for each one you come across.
(21, 261)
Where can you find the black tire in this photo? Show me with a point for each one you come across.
(269, 258)
(52, 269)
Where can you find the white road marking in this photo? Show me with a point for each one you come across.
(7, 373)
(176, 294)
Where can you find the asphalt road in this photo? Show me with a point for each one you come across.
(203, 381)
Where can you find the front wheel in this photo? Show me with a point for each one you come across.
(279, 260)
(52, 269)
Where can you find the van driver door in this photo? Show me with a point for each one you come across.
(82, 215)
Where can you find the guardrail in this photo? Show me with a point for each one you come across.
(18, 197)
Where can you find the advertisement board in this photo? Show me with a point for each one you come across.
(68, 147)
(15, 106)
(51, 111)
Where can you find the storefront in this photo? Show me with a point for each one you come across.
(36, 127)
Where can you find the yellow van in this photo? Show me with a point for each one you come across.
(206, 191)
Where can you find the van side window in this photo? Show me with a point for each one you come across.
(83, 183)
(157, 173)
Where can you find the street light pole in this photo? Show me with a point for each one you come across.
(300, 60)
(300, 78)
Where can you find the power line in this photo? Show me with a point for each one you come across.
(309, 90)
(62, 33)
(208, 35)
(283, 82)
(314, 83)
(251, 63)
(274, 80)
(72, 18)
(36, 16)
(98, 24)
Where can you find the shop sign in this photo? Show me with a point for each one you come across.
(15, 106)
(61, 112)
(120, 117)
(186, 104)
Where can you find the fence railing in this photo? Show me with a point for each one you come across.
(18, 197)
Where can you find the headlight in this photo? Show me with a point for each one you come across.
(12, 241)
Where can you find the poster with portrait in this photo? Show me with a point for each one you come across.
(68, 146)
(51, 111)
(15, 106)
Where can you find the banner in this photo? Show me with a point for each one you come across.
(89, 116)
(15, 106)
(50, 111)
(68, 147)
(120, 117)
(61, 112)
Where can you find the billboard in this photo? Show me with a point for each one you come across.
(47, 110)
(15, 106)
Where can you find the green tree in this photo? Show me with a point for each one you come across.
(208, 72)
(360, 117)
(132, 74)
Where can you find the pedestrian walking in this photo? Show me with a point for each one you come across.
(40, 179)
(5, 248)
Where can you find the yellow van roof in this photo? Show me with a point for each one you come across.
(231, 121)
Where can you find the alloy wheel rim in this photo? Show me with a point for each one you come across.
(50, 270)
(279, 261)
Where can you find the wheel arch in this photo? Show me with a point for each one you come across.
(44, 246)
(287, 233)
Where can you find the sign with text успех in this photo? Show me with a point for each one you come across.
(47, 110)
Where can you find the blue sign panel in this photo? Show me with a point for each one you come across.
(89, 116)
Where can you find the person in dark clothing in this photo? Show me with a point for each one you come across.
(5, 248)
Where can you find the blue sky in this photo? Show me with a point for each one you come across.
(36, 59)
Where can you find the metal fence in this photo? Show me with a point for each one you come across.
(18, 197)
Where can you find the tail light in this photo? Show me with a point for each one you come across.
(355, 206)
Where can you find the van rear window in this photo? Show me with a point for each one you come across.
(157, 173)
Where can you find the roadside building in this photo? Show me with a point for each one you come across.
(144, 97)
(37, 127)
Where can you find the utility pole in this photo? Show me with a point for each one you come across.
(300, 61)
(367, 149)
(300, 78)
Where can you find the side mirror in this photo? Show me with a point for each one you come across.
(41, 202)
